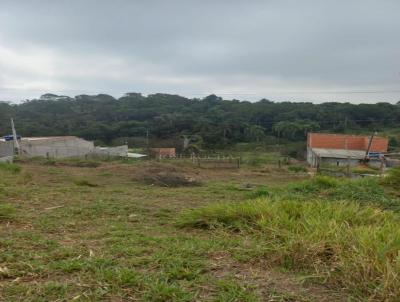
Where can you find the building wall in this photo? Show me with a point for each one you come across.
(312, 159)
(59, 147)
(111, 151)
(6, 148)
(350, 142)
(340, 162)
(163, 152)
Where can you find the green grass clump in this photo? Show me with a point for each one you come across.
(393, 179)
(364, 190)
(259, 192)
(365, 170)
(355, 247)
(314, 185)
(10, 167)
(297, 169)
(7, 211)
(84, 183)
(253, 159)
(231, 290)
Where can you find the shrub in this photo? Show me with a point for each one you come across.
(352, 246)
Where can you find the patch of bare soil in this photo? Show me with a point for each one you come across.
(167, 176)
(271, 284)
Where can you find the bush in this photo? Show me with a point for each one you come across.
(352, 246)
(10, 167)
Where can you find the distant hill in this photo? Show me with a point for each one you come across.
(211, 121)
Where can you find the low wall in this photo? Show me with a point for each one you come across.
(340, 161)
(6, 148)
(7, 159)
(57, 148)
(111, 151)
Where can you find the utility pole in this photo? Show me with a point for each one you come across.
(366, 158)
(15, 138)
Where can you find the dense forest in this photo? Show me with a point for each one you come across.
(210, 122)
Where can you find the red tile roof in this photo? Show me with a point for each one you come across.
(343, 141)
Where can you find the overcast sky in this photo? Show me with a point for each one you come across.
(340, 50)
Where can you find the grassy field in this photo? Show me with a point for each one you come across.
(112, 231)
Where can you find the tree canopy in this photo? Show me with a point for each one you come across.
(213, 121)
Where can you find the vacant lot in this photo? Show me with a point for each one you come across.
(109, 232)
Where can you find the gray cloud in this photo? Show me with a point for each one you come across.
(282, 50)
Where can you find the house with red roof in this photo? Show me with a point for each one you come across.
(343, 149)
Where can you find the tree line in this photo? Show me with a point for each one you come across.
(210, 122)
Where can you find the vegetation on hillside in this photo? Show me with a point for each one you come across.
(208, 123)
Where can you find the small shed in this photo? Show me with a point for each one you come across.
(163, 152)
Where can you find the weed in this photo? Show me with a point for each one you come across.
(341, 242)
